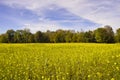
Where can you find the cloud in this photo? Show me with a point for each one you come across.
(99, 11)
(105, 12)
(53, 27)
(44, 27)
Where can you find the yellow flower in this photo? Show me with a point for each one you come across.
(113, 56)
(89, 75)
(112, 79)
(115, 63)
(117, 56)
(99, 74)
(108, 61)
(42, 77)
(63, 78)
(117, 68)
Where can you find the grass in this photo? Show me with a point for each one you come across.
(69, 61)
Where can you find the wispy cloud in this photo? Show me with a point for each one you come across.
(95, 11)
(44, 27)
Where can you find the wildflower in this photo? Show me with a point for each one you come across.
(23, 72)
(63, 78)
(99, 74)
(48, 78)
(113, 56)
(108, 61)
(117, 68)
(112, 79)
(117, 56)
(67, 73)
(52, 75)
(115, 63)
(89, 75)
(42, 77)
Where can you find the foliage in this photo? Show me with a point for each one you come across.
(104, 35)
(100, 35)
(117, 37)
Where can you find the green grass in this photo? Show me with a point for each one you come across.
(60, 61)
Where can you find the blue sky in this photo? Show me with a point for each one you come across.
(58, 14)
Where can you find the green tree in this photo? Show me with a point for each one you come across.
(69, 36)
(101, 35)
(80, 36)
(74, 37)
(18, 37)
(10, 35)
(104, 35)
(31, 38)
(51, 36)
(88, 37)
(59, 36)
(3, 38)
(45, 38)
(38, 37)
(117, 37)
(110, 34)
(25, 35)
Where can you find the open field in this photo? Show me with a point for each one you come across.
(74, 61)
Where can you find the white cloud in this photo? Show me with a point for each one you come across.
(99, 11)
(43, 27)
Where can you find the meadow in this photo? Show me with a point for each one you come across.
(68, 61)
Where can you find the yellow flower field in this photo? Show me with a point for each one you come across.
(68, 61)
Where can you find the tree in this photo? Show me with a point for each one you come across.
(69, 36)
(18, 37)
(117, 37)
(3, 38)
(59, 36)
(10, 35)
(38, 37)
(51, 36)
(110, 34)
(31, 38)
(80, 37)
(74, 37)
(25, 35)
(45, 38)
(88, 37)
(101, 35)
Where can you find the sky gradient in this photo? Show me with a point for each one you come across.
(58, 14)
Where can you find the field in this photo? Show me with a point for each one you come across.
(69, 61)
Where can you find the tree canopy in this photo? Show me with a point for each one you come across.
(100, 35)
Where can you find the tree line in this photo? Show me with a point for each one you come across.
(100, 35)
